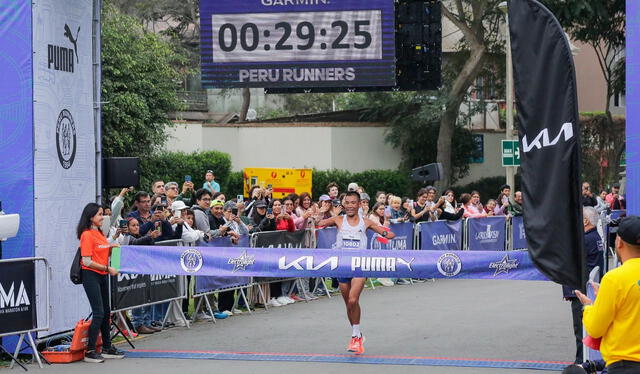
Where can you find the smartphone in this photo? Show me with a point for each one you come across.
(335, 202)
(187, 178)
(177, 213)
(410, 202)
(159, 227)
(163, 200)
(123, 223)
(234, 211)
(240, 198)
(269, 211)
(269, 186)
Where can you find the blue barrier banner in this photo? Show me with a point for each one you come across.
(211, 283)
(304, 262)
(487, 234)
(441, 235)
(326, 237)
(402, 240)
(518, 236)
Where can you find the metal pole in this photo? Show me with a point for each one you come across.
(510, 170)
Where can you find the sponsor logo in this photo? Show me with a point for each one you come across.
(444, 239)
(241, 262)
(293, 2)
(379, 264)
(307, 263)
(66, 142)
(449, 264)
(11, 299)
(504, 265)
(542, 139)
(488, 234)
(64, 58)
(128, 277)
(191, 260)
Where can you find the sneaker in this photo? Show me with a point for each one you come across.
(290, 300)
(274, 302)
(237, 311)
(179, 323)
(227, 312)
(204, 316)
(319, 292)
(386, 282)
(403, 282)
(353, 344)
(93, 357)
(419, 280)
(219, 315)
(295, 297)
(112, 352)
(360, 345)
(311, 297)
(283, 300)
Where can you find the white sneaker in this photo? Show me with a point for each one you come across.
(386, 282)
(283, 300)
(237, 311)
(180, 323)
(274, 302)
(290, 300)
(227, 313)
(203, 315)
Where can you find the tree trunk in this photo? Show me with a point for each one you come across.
(246, 101)
(450, 116)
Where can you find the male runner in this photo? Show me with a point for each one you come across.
(352, 234)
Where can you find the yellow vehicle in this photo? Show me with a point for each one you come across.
(282, 181)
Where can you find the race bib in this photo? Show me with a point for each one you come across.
(350, 241)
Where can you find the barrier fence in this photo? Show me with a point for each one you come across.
(18, 300)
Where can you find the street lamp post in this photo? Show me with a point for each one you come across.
(510, 170)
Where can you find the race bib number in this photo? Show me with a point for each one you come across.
(350, 243)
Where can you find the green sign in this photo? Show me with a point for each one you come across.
(510, 153)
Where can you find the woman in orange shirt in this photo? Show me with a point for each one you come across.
(95, 251)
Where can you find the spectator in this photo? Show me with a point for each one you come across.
(159, 222)
(515, 208)
(502, 202)
(353, 187)
(364, 203)
(306, 210)
(492, 208)
(288, 207)
(615, 315)
(201, 212)
(232, 219)
(284, 221)
(360, 190)
(255, 193)
(470, 203)
(117, 207)
(217, 222)
(187, 194)
(614, 199)
(420, 210)
(332, 190)
(157, 187)
(587, 196)
(378, 215)
(142, 203)
(602, 202)
(260, 220)
(218, 196)
(594, 250)
(381, 197)
(190, 235)
(296, 200)
(210, 184)
(171, 192)
(324, 210)
(241, 213)
(397, 214)
(406, 208)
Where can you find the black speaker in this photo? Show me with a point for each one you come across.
(428, 173)
(118, 172)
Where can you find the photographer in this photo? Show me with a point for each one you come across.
(615, 315)
(159, 222)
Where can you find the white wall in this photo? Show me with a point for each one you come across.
(354, 148)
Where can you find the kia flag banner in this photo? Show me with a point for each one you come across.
(547, 106)
(305, 262)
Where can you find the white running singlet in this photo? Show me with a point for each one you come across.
(352, 237)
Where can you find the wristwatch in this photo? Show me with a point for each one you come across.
(384, 233)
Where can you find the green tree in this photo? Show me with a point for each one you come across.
(140, 78)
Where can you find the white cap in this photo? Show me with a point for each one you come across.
(178, 205)
(352, 187)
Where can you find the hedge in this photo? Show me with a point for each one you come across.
(489, 188)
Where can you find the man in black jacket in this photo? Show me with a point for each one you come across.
(587, 196)
(594, 250)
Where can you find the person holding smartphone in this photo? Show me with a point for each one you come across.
(210, 184)
(95, 252)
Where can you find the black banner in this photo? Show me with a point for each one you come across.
(281, 239)
(130, 290)
(547, 103)
(17, 296)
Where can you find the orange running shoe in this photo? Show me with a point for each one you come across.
(359, 345)
(353, 345)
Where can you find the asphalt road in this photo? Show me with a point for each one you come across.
(489, 320)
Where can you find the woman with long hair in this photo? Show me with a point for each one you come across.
(95, 251)
(378, 214)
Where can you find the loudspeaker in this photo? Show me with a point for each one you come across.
(428, 173)
(119, 172)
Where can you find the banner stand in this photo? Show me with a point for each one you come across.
(25, 335)
(122, 317)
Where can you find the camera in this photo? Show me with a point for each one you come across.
(335, 202)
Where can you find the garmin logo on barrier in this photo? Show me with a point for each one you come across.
(488, 234)
(378, 263)
(307, 263)
(444, 239)
(11, 299)
(542, 140)
(64, 58)
(293, 2)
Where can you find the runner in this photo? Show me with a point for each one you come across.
(352, 234)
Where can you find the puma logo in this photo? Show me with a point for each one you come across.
(74, 41)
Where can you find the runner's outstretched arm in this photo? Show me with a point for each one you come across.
(372, 225)
(328, 222)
